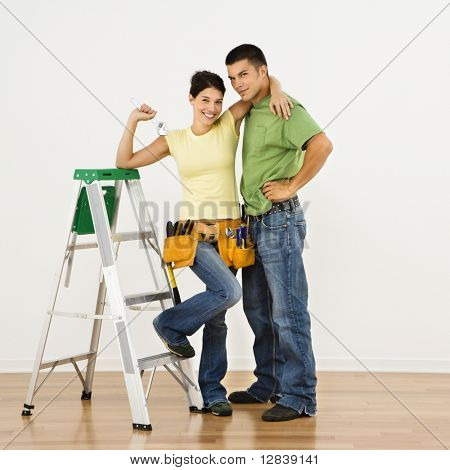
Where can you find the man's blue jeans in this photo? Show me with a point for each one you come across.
(275, 297)
(207, 308)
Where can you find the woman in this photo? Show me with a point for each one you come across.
(205, 155)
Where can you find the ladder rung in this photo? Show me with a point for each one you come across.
(144, 308)
(158, 360)
(84, 316)
(82, 246)
(117, 237)
(146, 297)
(129, 236)
(66, 360)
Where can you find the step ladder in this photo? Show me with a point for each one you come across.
(95, 211)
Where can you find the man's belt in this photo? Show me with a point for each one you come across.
(290, 204)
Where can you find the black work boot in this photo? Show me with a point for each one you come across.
(281, 413)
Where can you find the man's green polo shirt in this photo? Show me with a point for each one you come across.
(272, 150)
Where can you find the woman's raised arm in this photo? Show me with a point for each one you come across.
(280, 103)
(154, 152)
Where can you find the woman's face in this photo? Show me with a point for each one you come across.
(207, 105)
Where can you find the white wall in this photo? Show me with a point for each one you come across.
(378, 218)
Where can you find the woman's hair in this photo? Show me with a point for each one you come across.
(205, 79)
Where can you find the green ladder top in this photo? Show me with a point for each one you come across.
(109, 174)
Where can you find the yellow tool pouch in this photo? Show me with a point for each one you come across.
(240, 257)
(180, 250)
(228, 249)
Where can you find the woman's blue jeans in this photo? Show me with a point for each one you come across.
(275, 297)
(207, 308)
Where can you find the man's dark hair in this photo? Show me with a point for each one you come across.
(246, 51)
(205, 79)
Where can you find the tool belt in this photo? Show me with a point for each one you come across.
(180, 246)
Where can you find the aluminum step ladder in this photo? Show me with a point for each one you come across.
(98, 207)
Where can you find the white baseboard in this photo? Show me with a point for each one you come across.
(247, 363)
(333, 364)
(384, 365)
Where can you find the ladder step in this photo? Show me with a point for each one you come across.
(146, 297)
(129, 236)
(159, 360)
(82, 246)
(144, 308)
(66, 360)
(84, 316)
(117, 237)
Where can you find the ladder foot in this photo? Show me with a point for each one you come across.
(27, 409)
(194, 409)
(142, 427)
(86, 395)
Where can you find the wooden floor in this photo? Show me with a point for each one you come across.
(355, 412)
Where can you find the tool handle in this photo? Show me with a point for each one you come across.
(244, 236)
(191, 226)
(238, 237)
(185, 228)
(169, 229)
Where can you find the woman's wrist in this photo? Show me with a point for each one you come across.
(132, 122)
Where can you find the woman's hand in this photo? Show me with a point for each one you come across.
(281, 104)
(144, 113)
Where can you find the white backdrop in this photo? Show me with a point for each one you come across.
(378, 218)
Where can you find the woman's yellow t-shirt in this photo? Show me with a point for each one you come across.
(206, 168)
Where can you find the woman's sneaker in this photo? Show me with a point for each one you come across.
(185, 350)
(221, 409)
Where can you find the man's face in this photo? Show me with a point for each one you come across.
(247, 79)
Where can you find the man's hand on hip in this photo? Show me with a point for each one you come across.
(277, 191)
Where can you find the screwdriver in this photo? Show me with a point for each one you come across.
(244, 235)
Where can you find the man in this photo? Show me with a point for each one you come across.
(279, 157)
